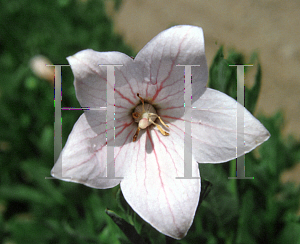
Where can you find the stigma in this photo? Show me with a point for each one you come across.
(145, 115)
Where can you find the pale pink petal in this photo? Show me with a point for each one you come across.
(150, 185)
(214, 128)
(91, 79)
(91, 88)
(164, 80)
(84, 157)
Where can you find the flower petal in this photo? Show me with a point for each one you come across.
(214, 128)
(91, 89)
(91, 79)
(84, 157)
(150, 185)
(184, 45)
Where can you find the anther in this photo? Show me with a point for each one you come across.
(146, 118)
(159, 119)
(136, 133)
(160, 129)
(136, 115)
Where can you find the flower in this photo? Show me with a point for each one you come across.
(150, 127)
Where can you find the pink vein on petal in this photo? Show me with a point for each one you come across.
(166, 148)
(126, 125)
(128, 84)
(160, 178)
(121, 147)
(84, 162)
(126, 98)
(169, 73)
(171, 117)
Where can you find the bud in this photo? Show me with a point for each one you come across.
(38, 66)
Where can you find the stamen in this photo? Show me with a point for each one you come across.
(136, 134)
(160, 129)
(136, 115)
(159, 119)
(145, 118)
(142, 101)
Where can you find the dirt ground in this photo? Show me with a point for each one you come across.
(269, 26)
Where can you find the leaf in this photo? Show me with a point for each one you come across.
(248, 221)
(220, 202)
(218, 72)
(206, 187)
(251, 94)
(290, 234)
(127, 228)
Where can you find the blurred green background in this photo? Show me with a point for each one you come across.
(35, 210)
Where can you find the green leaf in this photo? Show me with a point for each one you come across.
(248, 223)
(127, 228)
(290, 234)
(25, 193)
(218, 72)
(205, 190)
(223, 77)
(221, 205)
(251, 94)
(121, 202)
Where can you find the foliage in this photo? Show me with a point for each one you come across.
(36, 210)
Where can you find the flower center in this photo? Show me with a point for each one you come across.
(145, 115)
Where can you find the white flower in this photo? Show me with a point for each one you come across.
(150, 161)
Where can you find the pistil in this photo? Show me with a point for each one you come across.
(145, 115)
